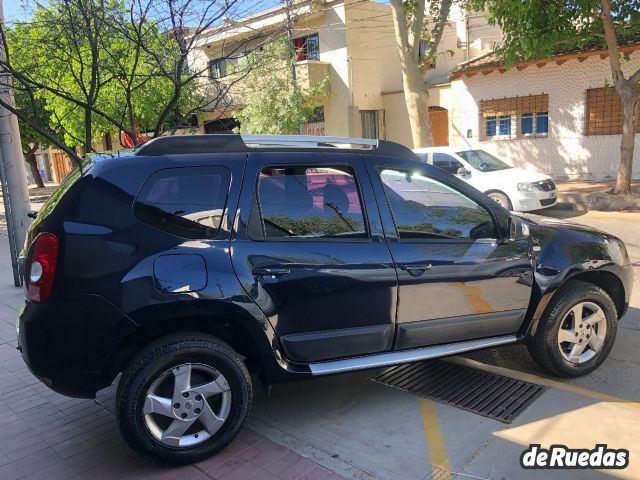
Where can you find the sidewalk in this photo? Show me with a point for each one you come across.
(596, 195)
(48, 436)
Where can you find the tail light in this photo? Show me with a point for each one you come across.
(41, 270)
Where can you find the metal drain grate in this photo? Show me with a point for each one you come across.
(484, 393)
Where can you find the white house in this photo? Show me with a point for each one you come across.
(555, 115)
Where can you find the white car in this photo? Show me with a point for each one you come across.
(513, 188)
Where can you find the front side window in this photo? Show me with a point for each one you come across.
(483, 161)
(188, 202)
(446, 163)
(310, 202)
(424, 208)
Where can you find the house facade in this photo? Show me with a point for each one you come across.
(353, 43)
(554, 115)
(349, 41)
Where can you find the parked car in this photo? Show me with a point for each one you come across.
(196, 260)
(513, 188)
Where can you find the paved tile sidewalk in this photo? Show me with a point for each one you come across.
(44, 435)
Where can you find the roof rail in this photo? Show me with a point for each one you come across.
(306, 141)
(186, 144)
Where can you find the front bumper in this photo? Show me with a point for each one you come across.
(535, 200)
(65, 341)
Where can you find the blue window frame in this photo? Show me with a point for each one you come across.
(526, 123)
(542, 123)
(504, 125)
(491, 127)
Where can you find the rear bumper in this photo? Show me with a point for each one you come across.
(66, 340)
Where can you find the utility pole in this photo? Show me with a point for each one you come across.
(13, 174)
(292, 46)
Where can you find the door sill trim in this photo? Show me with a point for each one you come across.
(405, 356)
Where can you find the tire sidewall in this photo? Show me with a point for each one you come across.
(150, 367)
(560, 310)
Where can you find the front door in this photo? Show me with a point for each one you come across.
(457, 281)
(311, 253)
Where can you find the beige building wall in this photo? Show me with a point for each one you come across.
(566, 152)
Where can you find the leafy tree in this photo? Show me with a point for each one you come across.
(536, 28)
(31, 139)
(412, 26)
(99, 66)
(273, 103)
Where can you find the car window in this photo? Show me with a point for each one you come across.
(310, 202)
(446, 162)
(483, 161)
(188, 202)
(424, 208)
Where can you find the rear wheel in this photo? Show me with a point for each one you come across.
(576, 332)
(183, 398)
(501, 199)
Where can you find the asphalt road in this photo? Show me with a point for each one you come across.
(620, 374)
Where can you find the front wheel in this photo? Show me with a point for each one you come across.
(576, 332)
(501, 199)
(183, 398)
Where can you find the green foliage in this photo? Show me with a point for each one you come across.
(87, 50)
(273, 104)
(536, 28)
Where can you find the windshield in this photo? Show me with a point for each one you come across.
(483, 161)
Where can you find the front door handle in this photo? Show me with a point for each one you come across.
(415, 268)
(265, 272)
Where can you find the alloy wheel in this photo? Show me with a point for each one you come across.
(186, 405)
(582, 332)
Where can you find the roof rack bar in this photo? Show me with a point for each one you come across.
(306, 141)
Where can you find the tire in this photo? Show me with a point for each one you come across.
(501, 199)
(598, 320)
(167, 423)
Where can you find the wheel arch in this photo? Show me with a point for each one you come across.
(604, 279)
(232, 324)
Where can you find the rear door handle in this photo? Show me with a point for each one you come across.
(415, 268)
(265, 272)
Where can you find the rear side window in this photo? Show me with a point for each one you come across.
(310, 202)
(188, 201)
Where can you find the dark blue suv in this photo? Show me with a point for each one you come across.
(199, 259)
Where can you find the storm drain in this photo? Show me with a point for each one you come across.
(484, 393)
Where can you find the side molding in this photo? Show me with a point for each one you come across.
(405, 356)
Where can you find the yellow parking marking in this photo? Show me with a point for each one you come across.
(435, 440)
(528, 377)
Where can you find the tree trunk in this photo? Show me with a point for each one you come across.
(417, 101)
(629, 127)
(30, 158)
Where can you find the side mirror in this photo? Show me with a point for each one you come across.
(518, 229)
(463, 172)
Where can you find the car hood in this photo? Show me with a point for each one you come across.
(563, 243)
(516, 175)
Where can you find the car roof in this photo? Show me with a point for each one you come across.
(193, 144)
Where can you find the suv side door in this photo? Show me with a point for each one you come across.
(457, 280)
(310, 251)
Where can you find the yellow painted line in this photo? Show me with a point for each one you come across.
(435, 440)
(529, 377)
